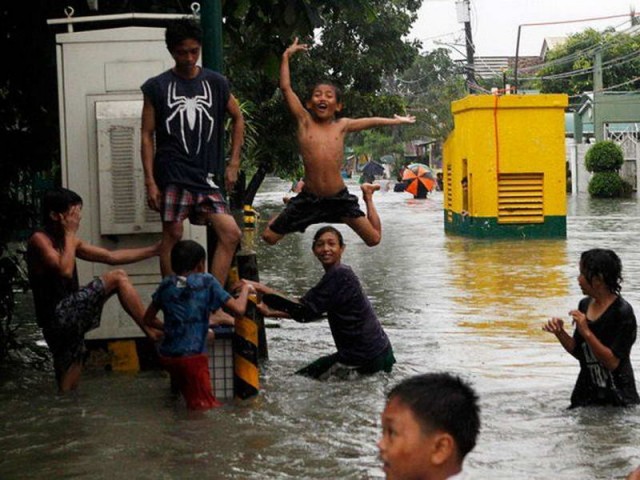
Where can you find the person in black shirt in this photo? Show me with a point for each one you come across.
(362, 344)
(183, 118)
(604, 334)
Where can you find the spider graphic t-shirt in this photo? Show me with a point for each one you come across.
(189, 121)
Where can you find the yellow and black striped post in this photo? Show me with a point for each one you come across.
(247, 263)
(246, 376)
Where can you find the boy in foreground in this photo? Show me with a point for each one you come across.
(429, 424)
(64, 311)
(325, 198)
(187, 299)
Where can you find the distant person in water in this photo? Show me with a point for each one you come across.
(362, 344)
(325, 198)
(605, 331)
(429, 424)
(64, 310)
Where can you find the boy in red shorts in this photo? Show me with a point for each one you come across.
(187, 298)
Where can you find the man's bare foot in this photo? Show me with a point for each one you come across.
(369, 188)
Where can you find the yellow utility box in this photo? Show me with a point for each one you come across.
(504, 167)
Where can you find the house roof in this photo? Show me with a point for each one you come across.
(551, 42)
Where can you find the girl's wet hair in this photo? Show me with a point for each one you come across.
(180, 30)
(604, 263)
(336, 89)
(328, 229)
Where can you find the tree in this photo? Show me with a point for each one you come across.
(569, 66)
(604, 159)
(356, 45)
(429, 85)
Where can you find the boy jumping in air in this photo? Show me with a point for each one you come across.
(325, 197)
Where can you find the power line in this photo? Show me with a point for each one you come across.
(613, 62)
(575, 55)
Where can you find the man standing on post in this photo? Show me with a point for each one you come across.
(185, 108)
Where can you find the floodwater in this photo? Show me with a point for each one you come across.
(467, 306)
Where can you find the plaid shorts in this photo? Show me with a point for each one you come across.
(179, 203)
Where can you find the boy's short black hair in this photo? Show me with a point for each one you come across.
(186, 255)
(328, 228)
(58, 200)
(442, 401)
(332, 84)
(180, 30)
(604, 263)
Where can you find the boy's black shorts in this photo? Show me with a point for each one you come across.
(74, 316)
(306, 209)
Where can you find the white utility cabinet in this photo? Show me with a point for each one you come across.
(99, 77)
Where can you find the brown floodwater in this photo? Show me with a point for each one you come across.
(472, 307)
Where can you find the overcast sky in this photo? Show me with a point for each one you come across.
(494, 23)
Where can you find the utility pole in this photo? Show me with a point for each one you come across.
(463, 12)
(211, 23)
(597, 93)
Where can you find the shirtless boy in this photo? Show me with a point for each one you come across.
(324, 197)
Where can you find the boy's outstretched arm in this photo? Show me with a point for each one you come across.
(293, 102)
(93, 253)
(239, 305)
(357, 124)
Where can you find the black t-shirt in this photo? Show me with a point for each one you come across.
(615, 329)
(356, 330)
(189, 121)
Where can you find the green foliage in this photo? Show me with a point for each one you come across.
(620, 63)
(606, 185)
(604, 156)
(28, 135)
(355, 43)
(376, 143)
(429, 85)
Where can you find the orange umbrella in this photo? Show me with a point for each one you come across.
(419, 179)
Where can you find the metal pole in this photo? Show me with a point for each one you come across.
(515, 68)
(211, 20)
(597, 93)
(470, 51)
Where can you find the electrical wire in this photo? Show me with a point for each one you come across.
(584, 52)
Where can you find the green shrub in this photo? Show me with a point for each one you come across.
(606, 185)
(604, 156)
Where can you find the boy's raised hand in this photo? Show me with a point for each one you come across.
(70, 220)
(405, 118)
(296, 47)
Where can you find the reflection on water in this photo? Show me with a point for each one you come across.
(474, 307)
(501, 282)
